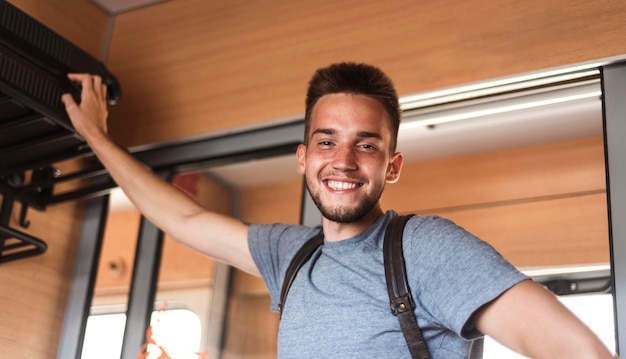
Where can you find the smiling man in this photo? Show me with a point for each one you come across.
(347, 158)
(338, 305)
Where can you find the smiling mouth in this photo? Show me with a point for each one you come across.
(342, 186)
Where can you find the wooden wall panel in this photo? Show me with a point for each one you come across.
(279, 202)
(118, 250)
(543, 233)
(553, 169)
(529, 202)
(35, 289)
(190, 67)
(180, 265)
(251, 330)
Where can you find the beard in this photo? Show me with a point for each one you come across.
(344, 214)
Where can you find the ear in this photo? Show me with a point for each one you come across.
(301, 156)
(394, 168)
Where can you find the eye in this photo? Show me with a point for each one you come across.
(325, 143)
(367, 147)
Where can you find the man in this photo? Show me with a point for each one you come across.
(338, 305)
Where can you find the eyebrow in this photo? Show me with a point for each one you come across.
(323, 131)
(361, 134)
(366, 134)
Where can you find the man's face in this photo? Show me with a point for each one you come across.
(347, 160)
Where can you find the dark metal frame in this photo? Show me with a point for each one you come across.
(614, 114)
(35, 130)
(84, 278)
(15, 244)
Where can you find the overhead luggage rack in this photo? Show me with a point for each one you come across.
(35, 131)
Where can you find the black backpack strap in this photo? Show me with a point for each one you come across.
(298, 260)
(476, 348)
(402, 304)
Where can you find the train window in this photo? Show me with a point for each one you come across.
(596, 310)
(178, 330)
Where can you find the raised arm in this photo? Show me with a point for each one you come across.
(218, 236)
(532, 321)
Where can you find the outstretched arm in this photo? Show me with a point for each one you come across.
(220, 237)
(531, 321)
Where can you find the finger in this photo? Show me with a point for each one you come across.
(97, 81)
(68, 100)
(75, 77)
(104, 92)
(78, 77)
(97, 85)
(85, 80)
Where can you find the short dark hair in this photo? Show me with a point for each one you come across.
(354, 78)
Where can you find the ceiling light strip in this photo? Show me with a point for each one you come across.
(430, 116)
(506, 85)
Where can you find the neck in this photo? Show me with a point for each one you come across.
(336, 231)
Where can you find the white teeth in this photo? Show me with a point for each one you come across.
(338, 185)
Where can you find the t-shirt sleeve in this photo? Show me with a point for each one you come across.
(454, 273)
(272, 248)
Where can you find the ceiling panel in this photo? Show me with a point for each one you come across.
(119, 6)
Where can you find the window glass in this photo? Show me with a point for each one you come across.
(176, 330)
(596, 310)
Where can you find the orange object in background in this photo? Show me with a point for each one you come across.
(147, 351)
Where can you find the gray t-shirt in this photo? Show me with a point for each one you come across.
(338, 306)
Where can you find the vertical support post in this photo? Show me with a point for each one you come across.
(614, 111)
(84, 278)
(143, 285)
(219, 305)
(143, 288)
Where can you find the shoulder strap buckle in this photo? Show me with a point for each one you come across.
(401, 305)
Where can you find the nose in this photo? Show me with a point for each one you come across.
(345, 158)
